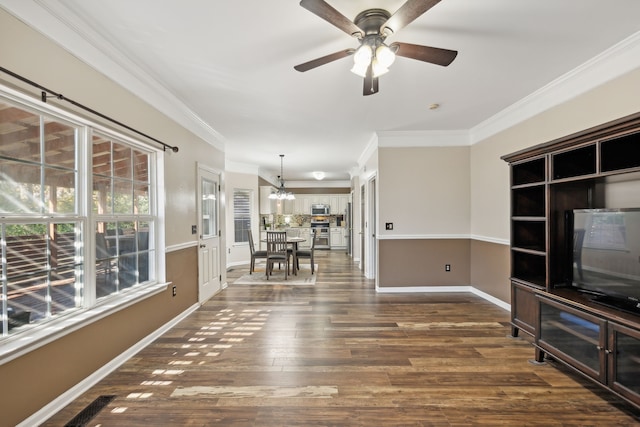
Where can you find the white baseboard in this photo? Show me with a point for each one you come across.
(433, 289)
(74, 392)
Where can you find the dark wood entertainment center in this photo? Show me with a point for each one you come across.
(595, 168)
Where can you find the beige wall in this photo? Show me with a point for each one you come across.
(35, 379)
(490, 208)
(434, 176)
(424, 191)
(490, 175)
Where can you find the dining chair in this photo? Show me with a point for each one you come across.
(277, 251)
(254, 254)
(292, 249)
(308, 254)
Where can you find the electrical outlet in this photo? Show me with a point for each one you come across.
(174, 290)
(194, 229)
(388, 226)
(447, 267)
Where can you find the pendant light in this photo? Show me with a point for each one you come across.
(281, 193)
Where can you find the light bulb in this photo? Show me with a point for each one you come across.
(378, 69)
(360, 69)
(363, 55)
(385, 56)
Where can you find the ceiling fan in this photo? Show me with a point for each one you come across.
(371, 27)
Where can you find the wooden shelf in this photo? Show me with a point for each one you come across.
(576, 162)
(586, 170)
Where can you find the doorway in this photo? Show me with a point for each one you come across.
(209, 277)
(362, 231)
(372, 243)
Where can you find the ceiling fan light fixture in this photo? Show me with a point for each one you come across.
(363, 55)
(361, 60)
(371, 27)
(360, 69)
(378, 69)
(385, 56)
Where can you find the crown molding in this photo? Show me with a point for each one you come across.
(69, 30)
(319, 184)
(86, 43)
(616, 61)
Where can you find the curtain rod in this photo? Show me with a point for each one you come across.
(45, 92)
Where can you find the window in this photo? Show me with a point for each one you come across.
(77, 215)
(122, 216)
(241, 215)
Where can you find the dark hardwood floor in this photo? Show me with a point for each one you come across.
(339, 354)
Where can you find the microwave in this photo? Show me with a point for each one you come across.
(319, 209)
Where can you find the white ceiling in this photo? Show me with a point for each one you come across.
(224, 68)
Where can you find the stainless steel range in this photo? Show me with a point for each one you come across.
(323, 233)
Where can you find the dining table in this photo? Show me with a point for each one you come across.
(293, 241)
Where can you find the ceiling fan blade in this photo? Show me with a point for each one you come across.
(433, 55)
(406, 14)
(370, 86)
(324, 60)
(332, 16)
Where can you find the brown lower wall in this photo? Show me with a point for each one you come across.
(421, 262)
(490, 269)
(35, 379)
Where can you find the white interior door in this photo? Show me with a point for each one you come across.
(209, 235)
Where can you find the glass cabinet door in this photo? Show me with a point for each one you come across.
(624, 364)
(574, 336)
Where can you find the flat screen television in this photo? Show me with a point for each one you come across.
(604, 250)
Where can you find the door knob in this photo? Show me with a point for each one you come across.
(203, 246)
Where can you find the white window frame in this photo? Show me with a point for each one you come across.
(251, 198)
(31, 337)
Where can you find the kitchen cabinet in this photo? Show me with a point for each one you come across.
(343, 200)
(334, 204)
(338, 203)
(319, 199)
(338, 240)
(302, 205)
(267, 205)
(288, 207)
